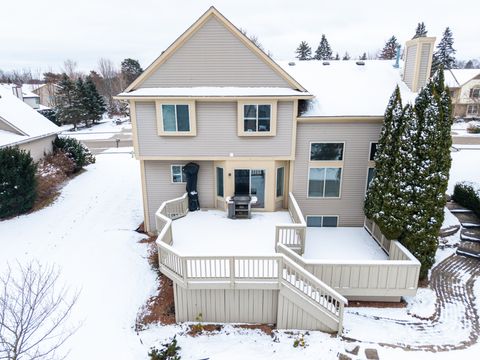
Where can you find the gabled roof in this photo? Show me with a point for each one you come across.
(27, 122)
(212, 12)
(345, 89)
(459, 77)
(26, 92)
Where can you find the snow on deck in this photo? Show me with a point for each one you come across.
(211, 232)
(341, 243)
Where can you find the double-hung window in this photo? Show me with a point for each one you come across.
(475, 93)
(322, 221)
(178, 175)
(325, 172)
(176, 119)
(472, 109)
(257, 119)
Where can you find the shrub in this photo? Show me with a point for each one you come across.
(17, 182)
(75, 150)
(473, 128)
(51, 115)
(168, 352)
(468, 194)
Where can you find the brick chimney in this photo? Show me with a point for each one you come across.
(418, 62)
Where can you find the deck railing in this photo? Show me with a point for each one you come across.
(376, 233)
(292, 235)
(168, 211)
(232, 272)
(395, 277)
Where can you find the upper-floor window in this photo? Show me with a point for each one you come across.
(176, 119)
(257, 119)
(373, 151)
(326, 151)
(472, 109)
(475, 93)
(178, 174)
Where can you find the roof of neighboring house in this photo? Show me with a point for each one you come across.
(25, 91)
(344, 88)
(214, 92)
(458, 77)
(21, 117)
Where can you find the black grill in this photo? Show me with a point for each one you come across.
(239, 207)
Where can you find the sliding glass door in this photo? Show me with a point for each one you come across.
(251, 182)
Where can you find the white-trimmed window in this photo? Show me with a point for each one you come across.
(322, 220)
(472, 109)
(475, 93)
(324, 182)
(280, 181)
(326, 151)
(176, 118)
(178, 174)
(370, 175)
(257, 118)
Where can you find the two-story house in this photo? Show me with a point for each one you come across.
(299, 136)
(464, 86)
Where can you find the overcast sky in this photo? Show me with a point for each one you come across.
(42, 34)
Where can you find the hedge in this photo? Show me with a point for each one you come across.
(75, 150)
(468, 194)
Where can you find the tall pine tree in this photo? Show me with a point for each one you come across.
(420, 31)
(346, 56)
(324, 51)
(444, 56)
(96, 104)
(304, 51)
(130, 69)
(389, 51)
(67, 113)
(81, 102)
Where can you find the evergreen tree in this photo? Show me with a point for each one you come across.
(324, 51)
(346, 56)
(130, 69)
(469, 65)
(67, 113)
(363, 57)
(382, 192)
(337, 56)
(81, 101)
(304, 51)
(445, 54)
(389, 51)
(96, 104)
(421, 31)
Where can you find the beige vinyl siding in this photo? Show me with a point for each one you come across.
(220, 305)
(213, 56)
(159, 186)
(410, 60)
(357, 138)
(424, 62)
(216, 133)
(39, 147)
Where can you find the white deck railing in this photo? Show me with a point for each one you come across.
(292, 235)
(397, 276)
(216, 271)
(376, 233)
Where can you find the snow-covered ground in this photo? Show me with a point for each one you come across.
(459, 128)
(106, 129)
(88, 233)
(465, 166)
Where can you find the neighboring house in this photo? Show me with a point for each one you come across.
(28, 97)
(464, 87)
(299, 136)
(22, 126)
(46, 92)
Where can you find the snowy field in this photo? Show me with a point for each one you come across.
(107, 128)
(459, 128)
(88, 233)
(465, 166)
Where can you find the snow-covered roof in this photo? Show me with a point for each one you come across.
(22, 117)
(7, 137)
(458, 77)
(26, 92)
(344, 88)
(204, 91)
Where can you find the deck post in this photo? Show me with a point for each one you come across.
(184, 271)
(340, 318)
(232, 272)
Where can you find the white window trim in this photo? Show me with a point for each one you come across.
(370, 150)
(335, 216)
(474, 106)
(339, 162)
(473, 89)
(191, 116)
(276, 183)
(171, 174)
(324, 197)
(273, 117)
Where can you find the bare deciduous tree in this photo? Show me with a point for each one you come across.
(33, 313)
(70, 68)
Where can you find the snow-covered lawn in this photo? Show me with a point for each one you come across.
(107, 128)
(88, 233)
(459, 128)
(465, 166)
